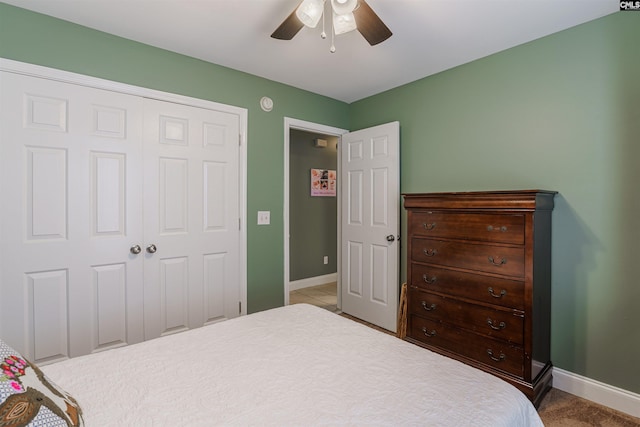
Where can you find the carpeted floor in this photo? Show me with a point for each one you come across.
(560, 409)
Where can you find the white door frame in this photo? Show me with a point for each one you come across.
(97, 83)
(290, 123)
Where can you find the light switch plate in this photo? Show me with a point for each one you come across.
(264, 217)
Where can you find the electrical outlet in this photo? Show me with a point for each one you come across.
(326, 260)
(264, 217)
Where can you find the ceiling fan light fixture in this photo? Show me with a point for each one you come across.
(343, 23)
(342, 7)
(310, 12)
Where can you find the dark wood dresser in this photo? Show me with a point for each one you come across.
(479, 281)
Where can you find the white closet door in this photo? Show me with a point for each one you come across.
(72, 188)
(191, 217)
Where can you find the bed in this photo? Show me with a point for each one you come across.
(290, 366)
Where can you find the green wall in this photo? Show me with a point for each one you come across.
(313, 221)
(39, 39)
(559, 113)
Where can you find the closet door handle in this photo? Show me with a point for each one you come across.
(152, 249)
(135, 249)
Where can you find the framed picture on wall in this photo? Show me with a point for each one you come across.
(323, 183)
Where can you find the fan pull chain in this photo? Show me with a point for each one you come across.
(323, 34)
(332, 49)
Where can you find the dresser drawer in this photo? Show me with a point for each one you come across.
(493, 353)
(500, 324)
(492, 290)
(504, 260)
(484, 227)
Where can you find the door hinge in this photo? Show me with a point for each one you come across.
(239, 140)
(239, 307)
(239, 224)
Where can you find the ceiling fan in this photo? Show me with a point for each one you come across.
(347, 15)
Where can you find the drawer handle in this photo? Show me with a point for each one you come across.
(500, 326)
(429, 334)
(430, 252)
(502, 261)
(428, 307)
(496, 359)
(502, 293)
(430, 226)
(430, 281)
(491, 228)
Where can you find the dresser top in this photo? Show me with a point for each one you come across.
(515, 200)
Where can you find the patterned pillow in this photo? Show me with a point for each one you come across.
(28, 398)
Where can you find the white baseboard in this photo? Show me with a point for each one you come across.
(312, 281)
(595, 391)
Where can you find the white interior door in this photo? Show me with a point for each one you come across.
(191, 217)
(72, 209)
(370, 206)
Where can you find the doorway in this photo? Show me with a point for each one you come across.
(313, 219)
(368, 205)
(311, 223)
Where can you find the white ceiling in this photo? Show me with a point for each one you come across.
(429, 36)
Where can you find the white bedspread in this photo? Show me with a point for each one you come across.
(293, 366)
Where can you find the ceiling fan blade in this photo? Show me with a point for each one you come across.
(289, 27)
(370, 25)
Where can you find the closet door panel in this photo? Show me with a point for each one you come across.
(110, 286)
(108, 194)
(46, 187)
(215, 283)
(173, 195)
(174, 282)
(72, 187)
(191, 214)
(214, 193)
(47, 293)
